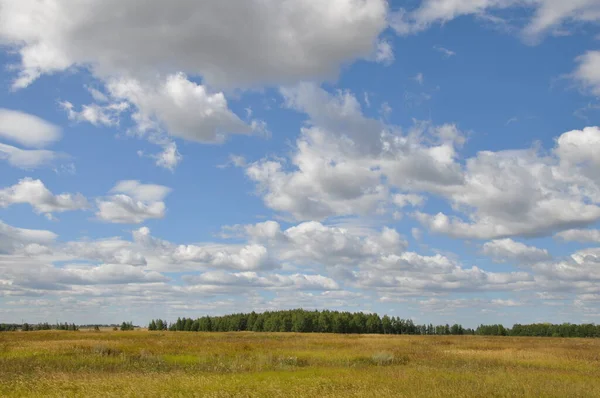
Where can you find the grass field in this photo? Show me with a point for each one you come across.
(168, 364)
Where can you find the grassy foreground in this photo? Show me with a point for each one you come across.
(168, 364)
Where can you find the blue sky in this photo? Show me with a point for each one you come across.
(431, 159)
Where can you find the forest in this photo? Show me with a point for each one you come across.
(302, 321)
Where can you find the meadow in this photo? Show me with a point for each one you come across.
(246, 364)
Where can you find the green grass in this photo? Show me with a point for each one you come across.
(168, 364)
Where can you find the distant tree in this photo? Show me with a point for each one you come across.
(179, 324)
(152, 325)
(126, 326)
(160, 325)
(187, 324)
(386, 324)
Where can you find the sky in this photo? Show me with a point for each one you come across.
(437, 160)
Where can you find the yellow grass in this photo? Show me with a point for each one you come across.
(169, 364)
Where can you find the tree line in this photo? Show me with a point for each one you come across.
(542, 330)
(28, 327)
(302, 321)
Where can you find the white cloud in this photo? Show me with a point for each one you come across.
(252, 279)
(12, 238)
(142, 192)
(587, 72)
(35, 193)
(342, 157)
(579, 272)
(416, 233)
(111, 274)
(133, 203)
(248, 258)
(524, 192)
(179, 106)
(346, 164)
(122, 209)
(95, 114)
(163, 255)
(313, 257)
(547, 14)
(444, 51)
(169, 158)
(503, 250)
(322, 245)
(403, 200)
(28, 159)
(580, 235)
(255, 41)
(415, 274)
(110, 251)
(553, 13)
(27, 130)
(31, 274)
(580, 146)
(331, 245)
(384, 53)
(258, 43)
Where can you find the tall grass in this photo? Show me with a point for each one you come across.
(166, 364)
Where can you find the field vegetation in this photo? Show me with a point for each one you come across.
(104, 363)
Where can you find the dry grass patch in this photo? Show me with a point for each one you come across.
(169, 364)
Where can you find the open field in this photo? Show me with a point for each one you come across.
(169, 364)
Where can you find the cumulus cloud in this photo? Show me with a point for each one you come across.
(580, 235)
(414, 274)
(347, 164)
(503, 250)
(42, 276)
(378, 261)
(587, 72)
(318, 264)
(259, 43)
(252, 279)
(164, 255)
(250, 257)
(450, 305)
(179, 106)
(255, 41)
(332, 245)
(133, 203)
(122, 209)
(169, 158)
(142, 192)
(110, 251)
(327, 245)
(35, 193)
(524, 192)
(578, 272)
(13, 238)
(342, 159)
